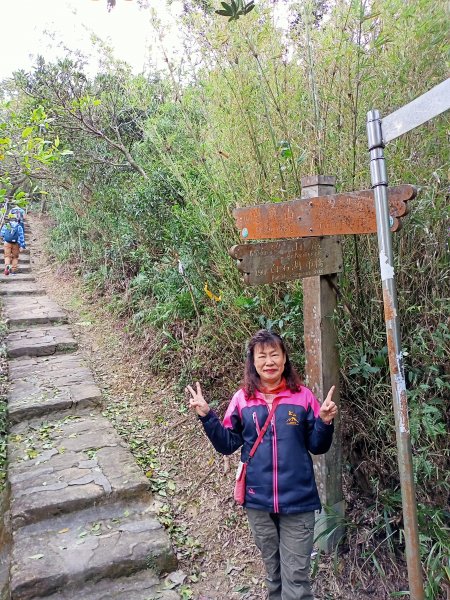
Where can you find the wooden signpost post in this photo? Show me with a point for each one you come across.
(316, 259)
(322, 371)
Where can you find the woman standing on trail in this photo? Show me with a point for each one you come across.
(280, 490)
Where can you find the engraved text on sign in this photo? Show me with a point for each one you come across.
(272, 262)
(337, 214)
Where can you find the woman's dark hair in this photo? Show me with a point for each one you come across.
(252, 380)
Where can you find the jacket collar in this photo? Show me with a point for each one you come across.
(284, 394)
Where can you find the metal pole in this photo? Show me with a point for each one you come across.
(378, 175)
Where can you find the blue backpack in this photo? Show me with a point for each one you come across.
(11, 234)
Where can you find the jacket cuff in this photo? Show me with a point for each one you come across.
(323, 425)
(207, 417)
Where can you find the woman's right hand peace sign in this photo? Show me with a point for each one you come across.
(196, 401)
(328, 410)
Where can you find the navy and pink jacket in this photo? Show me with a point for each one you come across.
(280, 476)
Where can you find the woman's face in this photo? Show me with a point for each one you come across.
(269, 363)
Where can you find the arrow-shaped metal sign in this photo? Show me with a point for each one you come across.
(417, 112)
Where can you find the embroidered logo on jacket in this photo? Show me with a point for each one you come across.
(292, 419)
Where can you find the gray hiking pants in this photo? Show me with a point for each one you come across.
(285, 542)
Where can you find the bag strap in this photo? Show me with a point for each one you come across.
(264, 429)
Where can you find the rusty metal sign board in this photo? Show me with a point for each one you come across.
(273, 262)
(337, 214)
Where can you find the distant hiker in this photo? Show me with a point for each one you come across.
(20, 214)
(279, 492)
(13, 240)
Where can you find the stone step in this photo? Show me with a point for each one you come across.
(40, 341)
(15, 278)
(23, 259)
(66, 464)
(21, 288)
(140, 586)
(21, 311)
(22, 252)
(42, 385)
(21, 269)
(78, 549)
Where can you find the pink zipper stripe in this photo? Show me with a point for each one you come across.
(275, 467)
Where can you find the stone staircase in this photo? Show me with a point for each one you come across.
(80, 522)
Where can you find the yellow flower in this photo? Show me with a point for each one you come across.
(210, 294)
